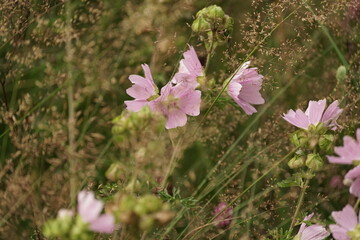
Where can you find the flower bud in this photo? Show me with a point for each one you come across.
(148, 204)
(341, 74)
(214, 12)
(80, 230)
(228, 24)
(296, 162)
(314, 162)
(326, 142)
(115, 172)
(299, 138)
(146, 222)
(200, 25)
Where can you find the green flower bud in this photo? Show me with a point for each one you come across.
(228, 24)
(80, 230)
(326, 142)
(146, 222)
(299, 138)
(296, 162)
(58, 227)
(200, 25)
(314, 162)
(341, 74)
(148, 204)
(215, 11)
(115, 172)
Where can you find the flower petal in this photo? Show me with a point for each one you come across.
(315, 111)
(346, 218)
(339, 233)
(103, 224)
(314, 232)
(88, 207)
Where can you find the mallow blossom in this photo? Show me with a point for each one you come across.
(142, 90)
(315, 114)
(178, 98)
(190, 68)
(245, 87)
(347, 224)
(349, 154)
(89, 210)
(223, 215)
(175, 102)
(312, 232)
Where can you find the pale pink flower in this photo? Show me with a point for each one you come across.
(90, 211)
(349, 153)
(245, 87)
(353, 177)
(190, 68)
(142, 89)
(315, 114)
(346, 221)
(223, 215)
(175, 102)
(312, 232)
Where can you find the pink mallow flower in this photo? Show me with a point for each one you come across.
(190, 68)
(245, 87)
(349, 153)
(312, 232)
(315, 114)
(223, 215)
(175, 102)
(347, 224)
(89, 210)
(142, 89)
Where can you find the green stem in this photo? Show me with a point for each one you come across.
(300, 202)
(357, 204)
(71, 104)
(209, 53)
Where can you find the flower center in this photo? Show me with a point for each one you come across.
(354, 234)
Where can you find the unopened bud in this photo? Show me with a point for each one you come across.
(299, 138)
(296, 162)
(146, 222)
(314, 162)
(341, 74)
(228, 24)
(115, 172)
(326, 142)
(215, 11)
(200, 25)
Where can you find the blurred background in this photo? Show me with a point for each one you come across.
(64, 69)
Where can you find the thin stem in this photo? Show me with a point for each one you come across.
(357, 204)
(171, 164)
(5, 96)
(209, 53)
(70, 97)
(300, 202)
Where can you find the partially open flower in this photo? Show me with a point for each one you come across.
(312, 232)
(245, 87)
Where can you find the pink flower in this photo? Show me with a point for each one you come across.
(142, 90)
(349, 153)
(313, 232)
(90, 211)
(315, 114)
(223, 214)
(245, 87)
(190, 68)
(353, 178)
(346, 221)
(175, 102)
